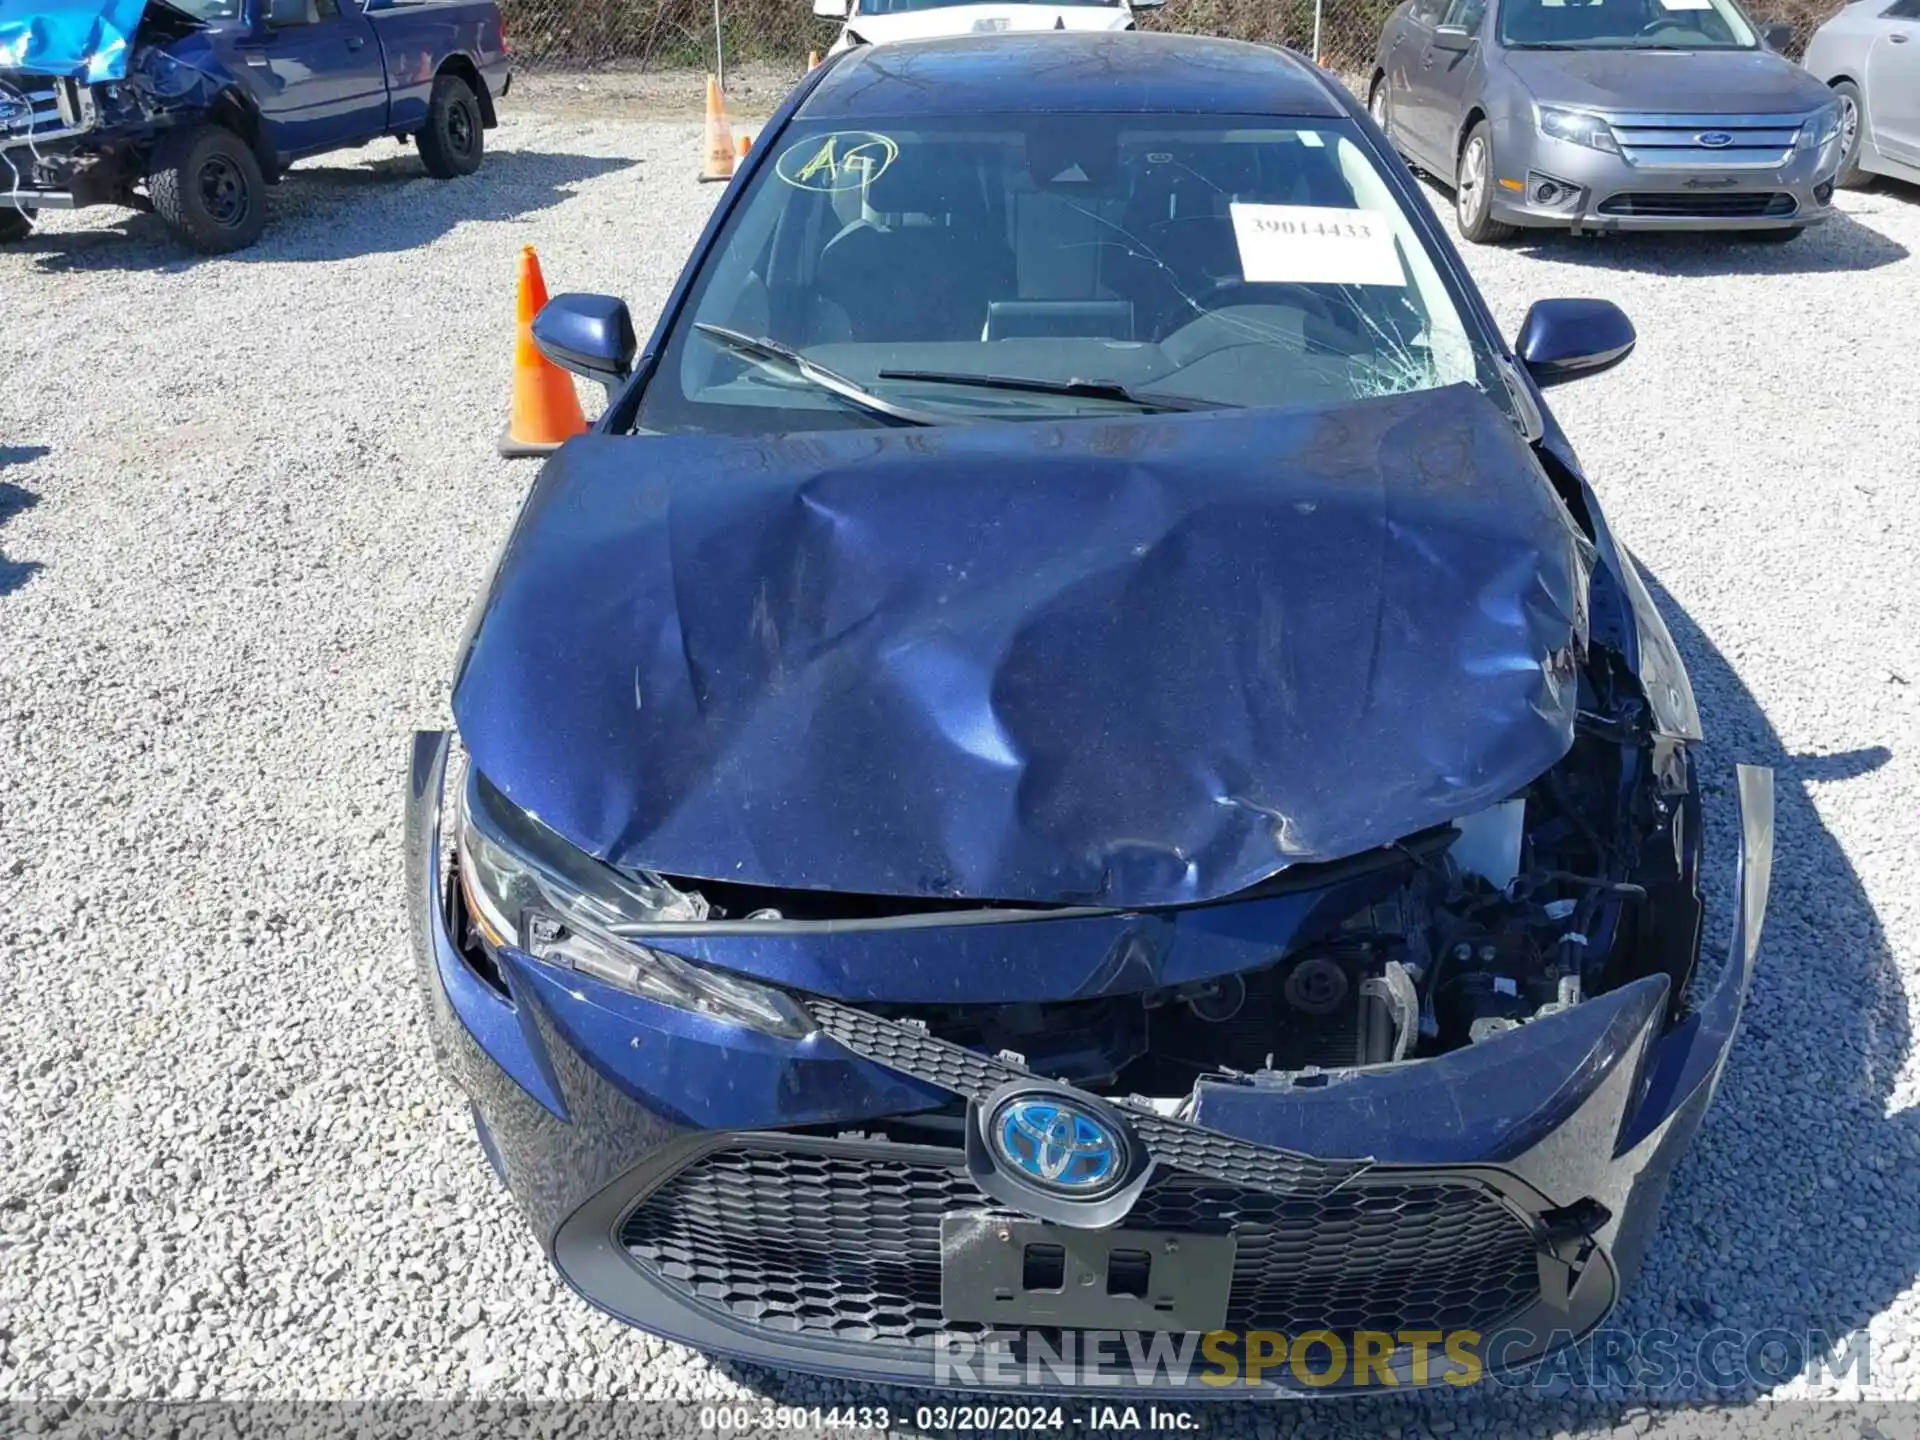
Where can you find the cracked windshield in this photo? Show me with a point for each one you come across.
(1032, 267)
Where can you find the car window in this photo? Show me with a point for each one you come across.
(282, 14)
(903, 7)
(1624, 25)
(1467, 14)
(1224, 262)
(1425, 12)
(1902, 10)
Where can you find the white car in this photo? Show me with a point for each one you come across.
(874, 22)
(1870, 54)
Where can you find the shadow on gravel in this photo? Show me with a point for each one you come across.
(1796, 1212)
(14, 499)
(340, 212)
(1840, 244)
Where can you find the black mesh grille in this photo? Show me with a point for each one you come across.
(1175, 1144)
(1757, 206)
(799, 1236)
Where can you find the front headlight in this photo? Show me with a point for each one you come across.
(528, 889)
(1819, 132)
(1579, 128)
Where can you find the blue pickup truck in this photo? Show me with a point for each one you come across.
(191, 108)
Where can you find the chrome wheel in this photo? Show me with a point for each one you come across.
(1377, 106)
(1849, 127)
(1469, 194)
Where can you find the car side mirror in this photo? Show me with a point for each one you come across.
(830, 9)
(1563, 340)
(1777, 36)
(590, 335)
(1452, 37)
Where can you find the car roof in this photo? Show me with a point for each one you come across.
(1132, 72)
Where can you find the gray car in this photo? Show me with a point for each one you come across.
(1611, 115)
(1870, 54)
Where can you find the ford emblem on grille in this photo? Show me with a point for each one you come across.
(1715, 139)
(1056, 1145)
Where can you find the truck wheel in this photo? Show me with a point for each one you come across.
(207, 189)
(451, 143)
(14, 224)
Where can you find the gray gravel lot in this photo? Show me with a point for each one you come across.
(244, 507)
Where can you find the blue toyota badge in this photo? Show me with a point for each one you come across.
(1715, 139)
(1056, 1145)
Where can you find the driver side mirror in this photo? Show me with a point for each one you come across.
(830, 9)
(589, 335)
(1452, 37)
(1776, 37)
(1563, 340)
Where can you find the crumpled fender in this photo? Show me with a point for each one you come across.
(89, 40)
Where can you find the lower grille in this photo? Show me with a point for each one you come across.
(842, 1240)
(1758, 205)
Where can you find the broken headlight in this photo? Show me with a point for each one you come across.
(526, 888)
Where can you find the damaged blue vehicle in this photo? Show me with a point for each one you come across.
(1073, 765)
(192, 108)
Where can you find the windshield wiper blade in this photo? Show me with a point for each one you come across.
(814, 373)
(1084, 389)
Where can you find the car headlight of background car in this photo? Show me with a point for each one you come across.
(526, 888)
(1577, 127)
(1819, 132)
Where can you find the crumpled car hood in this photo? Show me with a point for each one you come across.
(88, 40)
(1131, 663)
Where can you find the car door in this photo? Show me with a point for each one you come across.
(1893, 82)
(1410, 33)
(1449, 76)
(314, 67)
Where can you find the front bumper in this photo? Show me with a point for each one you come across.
(741, 1194)
(1563, 185)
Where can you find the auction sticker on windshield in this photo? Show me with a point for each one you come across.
(1315, 245)
(843, 160)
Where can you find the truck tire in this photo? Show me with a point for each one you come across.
(450, 142)
(14, 224)
(207, 189)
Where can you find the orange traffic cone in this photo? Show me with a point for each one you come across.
(546, 411)
(719, 163)
(746, 146)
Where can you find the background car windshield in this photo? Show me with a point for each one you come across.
(1624, 25)
(1219, 262)
(903, 7)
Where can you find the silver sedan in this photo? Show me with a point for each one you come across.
(1607, 115)
(1870, 54)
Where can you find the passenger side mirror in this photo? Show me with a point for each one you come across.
(1452, 37)
(1777, 37)
(1564, 340)
(590, 335)
(830, 9)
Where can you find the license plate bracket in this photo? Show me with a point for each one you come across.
(1026, 1273)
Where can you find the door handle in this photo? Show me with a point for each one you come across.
(1899, 37)
(354, 42)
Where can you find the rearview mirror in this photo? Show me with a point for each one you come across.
(830, 9)
(1452, 37)
(1777, 36)
(1564, 340)
(590, 335)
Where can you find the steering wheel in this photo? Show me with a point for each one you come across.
(1665, 22)
(1220, 296)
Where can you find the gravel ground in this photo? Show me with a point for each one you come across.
(244, 506)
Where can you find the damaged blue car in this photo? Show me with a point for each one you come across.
(1071, 785)
(191, 108)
